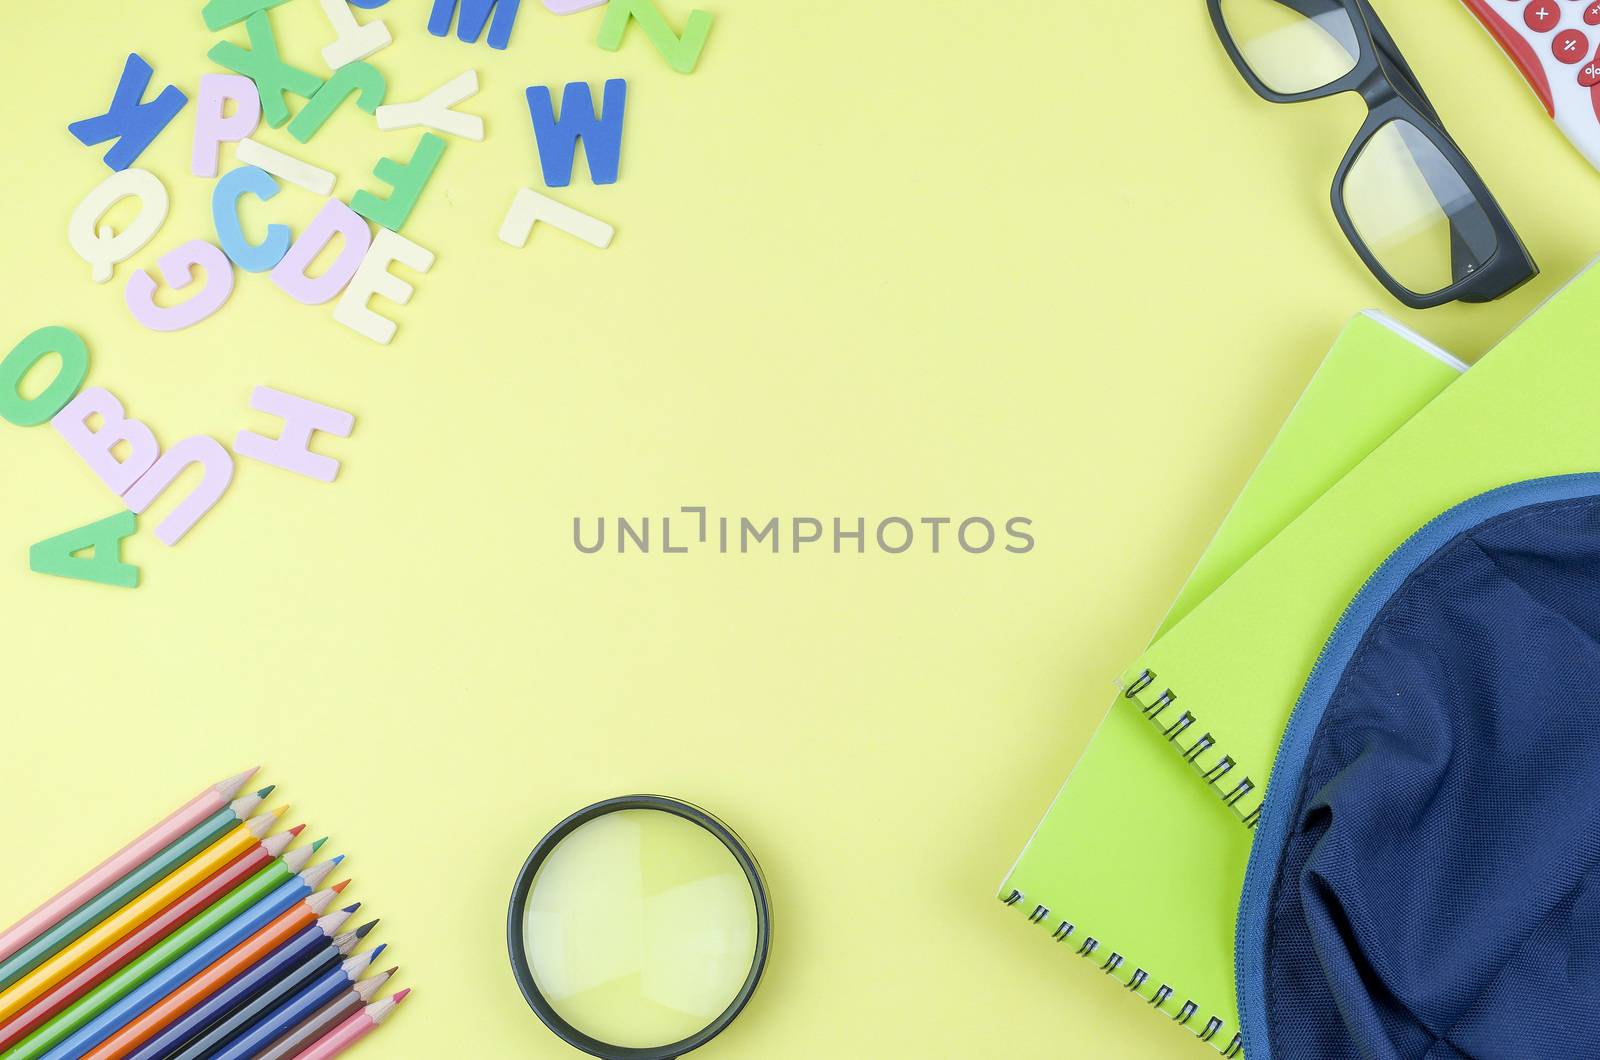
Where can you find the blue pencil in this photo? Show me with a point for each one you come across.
(310, 949)
(286, 1017)
(246, 1018)
(186, 967)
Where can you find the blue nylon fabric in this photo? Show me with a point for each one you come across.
(1426, 881)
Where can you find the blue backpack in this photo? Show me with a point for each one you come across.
(1425, 880)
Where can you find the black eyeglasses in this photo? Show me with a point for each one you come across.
(1409, 201)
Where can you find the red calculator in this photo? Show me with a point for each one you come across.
(1556, 45)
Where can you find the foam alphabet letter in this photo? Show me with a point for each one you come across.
(474, 14)
(529, 208)
(59, 555)
(129, 121)
(406, 179)
(291, 450)
(220, 14)
(356, 40)
(212, 127)
(681, 53)
(374, 278)
(101, 245)
(95, 446)
(287, 167)
(217, 463)
(251, 257)
(433, 110)
(558, 137)
(74, 354)
(262, 64)
(353, 78)
(335, 219)
(567, 7)
(177, 268)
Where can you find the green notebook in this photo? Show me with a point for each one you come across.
(1372, 381)
(1237, 661)
(1143, 924)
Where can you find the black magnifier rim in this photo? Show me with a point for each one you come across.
(519, 900)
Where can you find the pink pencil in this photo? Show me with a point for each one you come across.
(121, 863)
(352, 1030)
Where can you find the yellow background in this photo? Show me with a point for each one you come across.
(895, 258)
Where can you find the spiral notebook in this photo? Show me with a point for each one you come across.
(1147, 925)
(1528, 410)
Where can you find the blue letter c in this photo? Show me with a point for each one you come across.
(230, 234)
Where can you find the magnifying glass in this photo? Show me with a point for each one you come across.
(639, 928)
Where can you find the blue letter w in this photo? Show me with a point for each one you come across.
(558, 137)
(474, 14)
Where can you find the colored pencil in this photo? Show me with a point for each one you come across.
(97, 909)
(263, 1030)
(152, 932)
(187, 993)
(305, 1034)
(354, 1029)
(241, 901)
(150, 903)
(124, 861)
(145, 981)
(303, 959)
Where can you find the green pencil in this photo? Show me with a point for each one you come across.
(128, 888)
(216, 916)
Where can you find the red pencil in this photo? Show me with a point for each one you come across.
(151, 933)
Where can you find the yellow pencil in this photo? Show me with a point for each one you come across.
(179, 882)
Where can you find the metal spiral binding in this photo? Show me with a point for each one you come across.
(1114, 964)
(1241, 795)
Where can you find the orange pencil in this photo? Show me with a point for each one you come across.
(219, 973)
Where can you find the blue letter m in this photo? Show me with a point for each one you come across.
(474, 15)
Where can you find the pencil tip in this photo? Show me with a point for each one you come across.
(336, 859)
(340, 886)
(234, 784)
(268, 790)
(318, 844)
(348, 908)
(296, 830)
(366, 929)
(401, 996)
(379, 948)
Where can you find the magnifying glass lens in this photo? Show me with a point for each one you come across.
(640, 928)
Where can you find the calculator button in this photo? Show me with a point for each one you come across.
(1570, 46)
(1542, 16)
(1589, 76)
(1591, 14)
